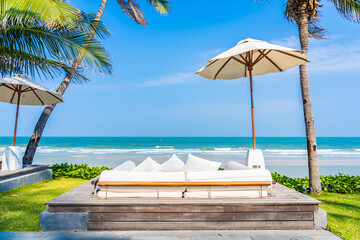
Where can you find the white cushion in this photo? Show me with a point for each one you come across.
(126, 166)
(232, 165)
(131, 176)
(231, 175)
(147, 165)
(174, 164)
(12, 158)
(199, 164)
(254, 157)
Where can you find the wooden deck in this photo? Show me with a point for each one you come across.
(286, 209)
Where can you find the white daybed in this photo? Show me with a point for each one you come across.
(187, 182)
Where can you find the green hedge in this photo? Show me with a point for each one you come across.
(76, 170)
(341, 183)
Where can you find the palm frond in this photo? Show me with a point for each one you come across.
(15, 61)
(58, 45)
(162, 6)
(133, 10)
(349, 9)
(52, 12)
(316, 30)
(87, 22)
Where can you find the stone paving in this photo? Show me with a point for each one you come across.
(178, 235)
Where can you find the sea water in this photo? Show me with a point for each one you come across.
(286, 155)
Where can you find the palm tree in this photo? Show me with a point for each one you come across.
(130, 8)
(305, 14)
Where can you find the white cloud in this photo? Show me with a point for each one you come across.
(290, 42)
(333, 57)
(211, 53)
(177, 78)
(184, 77)
(326, 56)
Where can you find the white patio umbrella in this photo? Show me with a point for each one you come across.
(20, 90)
(248, 58)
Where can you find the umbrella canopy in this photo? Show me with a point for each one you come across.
(19, 89)
(248, 58)
(30, 93)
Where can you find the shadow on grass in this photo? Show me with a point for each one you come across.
(336, 203)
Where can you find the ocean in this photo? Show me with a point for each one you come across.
(285, 155)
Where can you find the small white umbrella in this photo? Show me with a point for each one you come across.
(248, 58)
(19, 90)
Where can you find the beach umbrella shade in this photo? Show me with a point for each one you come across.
(20, 90)
(248, 58)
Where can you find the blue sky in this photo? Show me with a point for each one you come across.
(154, 91)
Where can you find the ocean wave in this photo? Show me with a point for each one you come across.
(164, 147)
(204, 150)
(320, 151)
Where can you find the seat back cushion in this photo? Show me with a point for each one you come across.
(126, 166)
(232, 165)
(174, 164)
(194, 163)
(147, 165)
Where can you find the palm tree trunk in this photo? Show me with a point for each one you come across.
(39, 128)
(307, 106)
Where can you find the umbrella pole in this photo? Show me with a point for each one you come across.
(252, 108)
(17, 115)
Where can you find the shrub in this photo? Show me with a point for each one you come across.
(76, 170)
(341, 183)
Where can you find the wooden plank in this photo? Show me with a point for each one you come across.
(201, 217)
(232, 183)
(253, 225)
(182, 208)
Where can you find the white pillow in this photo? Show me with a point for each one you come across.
(232, 165)
(174, 164)
(147, 165)
(126, 166)
(199, 164)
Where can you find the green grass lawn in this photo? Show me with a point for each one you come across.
(20, 208)
(343, 214)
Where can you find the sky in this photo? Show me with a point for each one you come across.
(154, 92)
